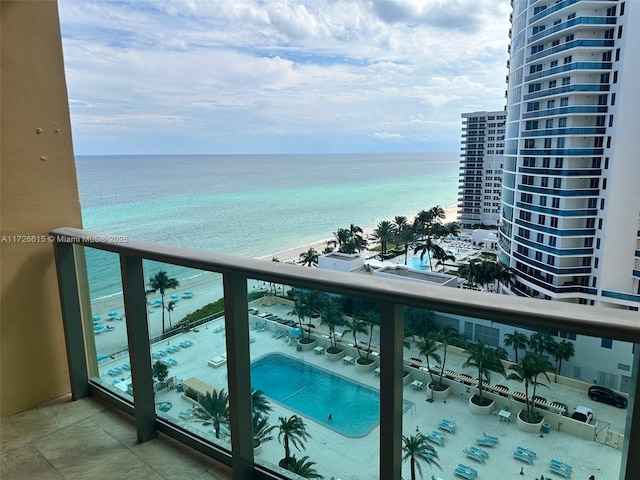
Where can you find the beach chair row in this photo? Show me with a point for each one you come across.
(448, 425)
(561, 468)
(525, 455)
(477, 454)
(465, 471)
(487, 440)
(437, 437)
(186, 344)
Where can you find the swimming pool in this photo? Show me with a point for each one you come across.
(316, 393)
(417, 264)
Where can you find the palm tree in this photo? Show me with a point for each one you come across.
(485, 359)
(563, 351)
(447, 335)
(309, 258)
(350, 240)
(358, 324)
(213, 409)
(303, 467)
(427, 247)
(541, 342)
(161, 282)
(261, 429)
(399, 223)
(259, 403)
(160, 371)
(428, 347)
(292, 431)
(300, 310)
(384, 234)
(313, 302)
(527, 371)
(406, 237)
(170, 306)
(504, 274)
(332, 315)
(416, 448)
(373, 318)
(517, 340)
(442, 256)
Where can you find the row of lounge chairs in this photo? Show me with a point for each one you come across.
(465, 471)
(448, 425)
(525, 455)
(561, 468)
(477, 454)
(487, 440)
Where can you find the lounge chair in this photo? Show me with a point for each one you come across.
(173, 361)
(447, 427)
(560, 471)
(255, 326)
(474, 455)
(485, 442)
(469, 472)
(526, 451)
(490, 438)
(435, 438)
(523, 456)
(480, 452)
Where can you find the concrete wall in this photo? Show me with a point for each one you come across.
(38, 192)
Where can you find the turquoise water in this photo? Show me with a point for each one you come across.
(250, 205)
(417, 264)
(314, 393)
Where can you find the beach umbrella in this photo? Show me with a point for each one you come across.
(113, 314)
(174, 297)
(188, 294)
(96, 319)
(97, 328)
(295, 332)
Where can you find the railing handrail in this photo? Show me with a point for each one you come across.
(588, 320)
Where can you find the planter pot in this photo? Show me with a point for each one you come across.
(480, 409)
(438, 394)
(406, 378)
(307, 346)
(258, 449)
(529, 427)
(365, 367)
(334, 357)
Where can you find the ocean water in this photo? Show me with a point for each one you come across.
(250, 205)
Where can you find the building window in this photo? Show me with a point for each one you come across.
(557, 183)
(566, 80)
(567, 59)
(551, 103)
(545, 162)
(555, 202)
(562, 122)
(554, 222)
(549, 123)
(606, 343)
(530, 143)
(564, 101)
(560, 142)
(552, 84)
(552, 241)
(559, 162)
(547, 143)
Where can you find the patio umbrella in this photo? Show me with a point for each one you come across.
(113, 314)
(97, 328)
(295, 332)
(96, 319)
(174, 297)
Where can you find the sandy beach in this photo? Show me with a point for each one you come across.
(205, 287)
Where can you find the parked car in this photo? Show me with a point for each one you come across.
(583, 414)
(606, 395)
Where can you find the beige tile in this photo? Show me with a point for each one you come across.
(24, 427)
(171, 459)
(119, 425)
(121, 466)
(26, 463)
(79, 447)
(64, 412)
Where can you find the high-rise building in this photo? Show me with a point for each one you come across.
(481, 168)
(571, 178)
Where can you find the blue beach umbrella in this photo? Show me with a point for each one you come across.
(174, 297)
(97, 328)
(295, 332)
(96, 319)
(113, 314)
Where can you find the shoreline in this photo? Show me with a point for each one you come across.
(206, 288)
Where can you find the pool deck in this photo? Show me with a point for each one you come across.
(357, 458)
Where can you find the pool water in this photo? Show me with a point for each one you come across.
(315, 393)
(417, 264)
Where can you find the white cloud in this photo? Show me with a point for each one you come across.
(282, 71)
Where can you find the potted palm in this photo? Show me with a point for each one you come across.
(332, 315)
(292, 432)
(527, 371)
(360, 324)
(485, 360)
(261, 429)
(428, 347)
(300, 309)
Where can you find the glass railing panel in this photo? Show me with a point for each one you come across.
(314, 357)
(188, 349)
(536, 425)
(105, 326)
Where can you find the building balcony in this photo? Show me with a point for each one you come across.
(573, 110)
(562, 172)
(223, 352)
(565, 89)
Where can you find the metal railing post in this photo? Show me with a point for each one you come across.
(72, 319)
(391, 344)
(135, 307)
(239, 374)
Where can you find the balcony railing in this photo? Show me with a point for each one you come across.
(391, 296)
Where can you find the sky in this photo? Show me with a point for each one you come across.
(280, 76)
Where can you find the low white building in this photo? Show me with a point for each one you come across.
(341, 262)
(403, 272)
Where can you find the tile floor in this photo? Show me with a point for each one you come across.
(88, 439)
